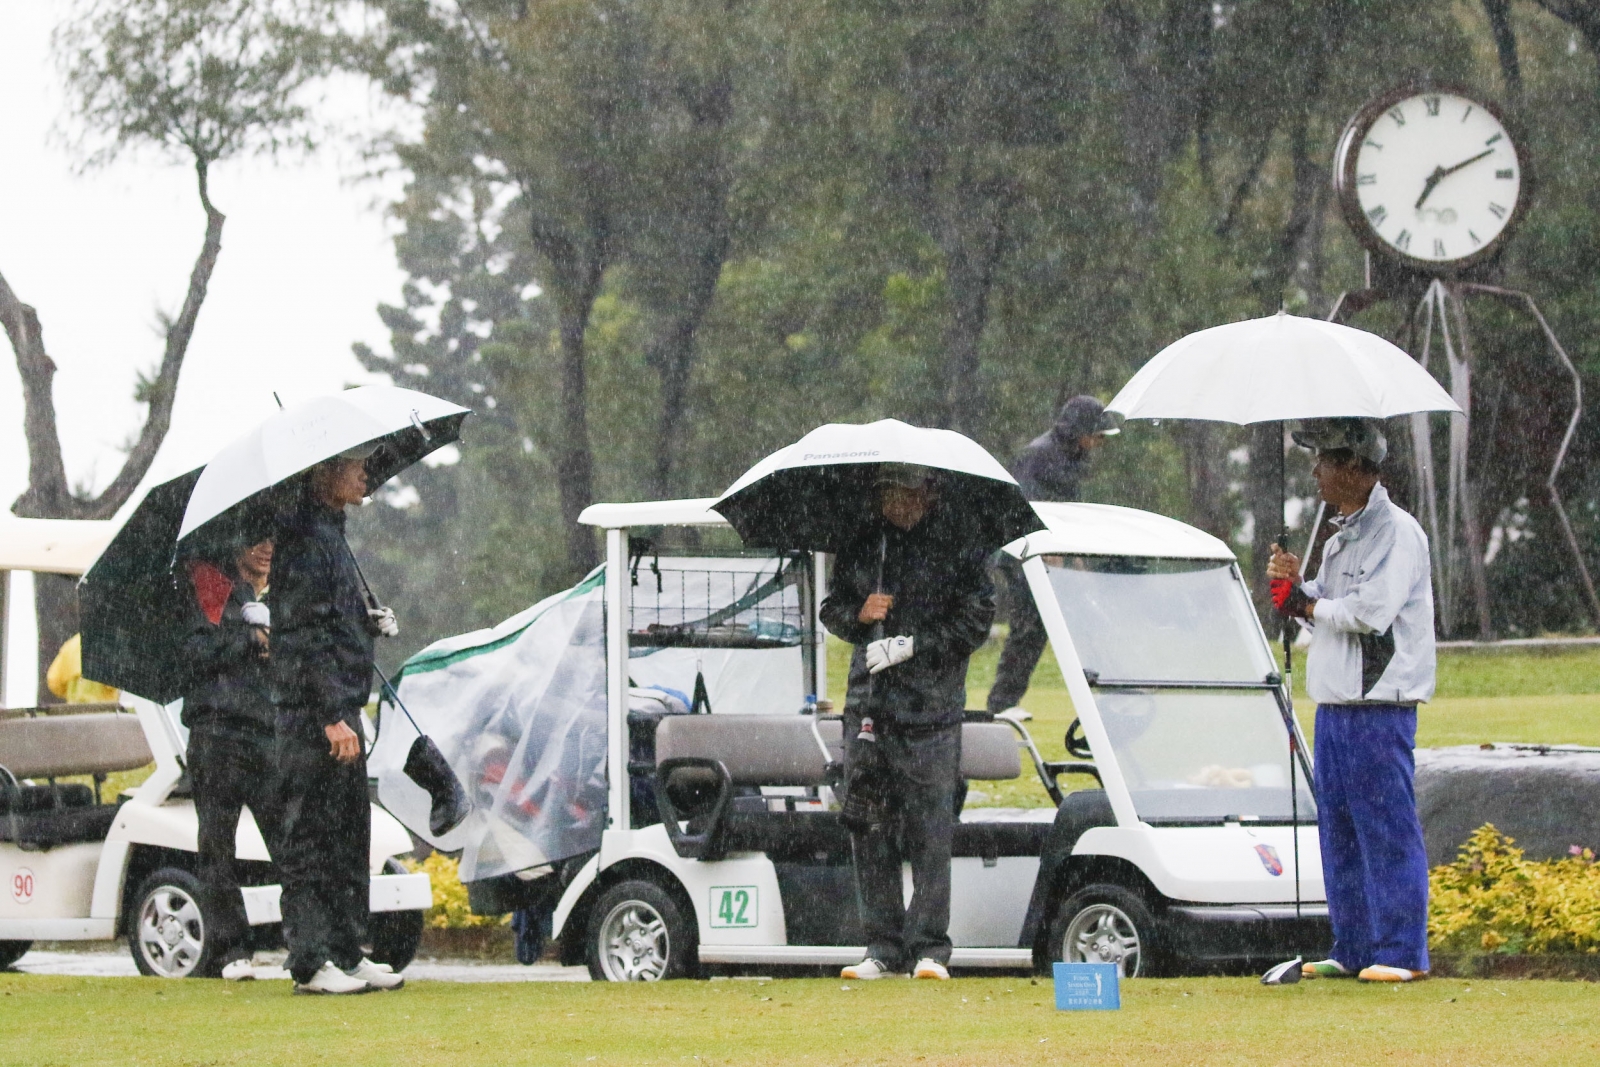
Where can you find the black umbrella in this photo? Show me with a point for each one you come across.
(818, 493)
(130, 608)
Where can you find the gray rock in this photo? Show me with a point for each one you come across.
(1546, 797)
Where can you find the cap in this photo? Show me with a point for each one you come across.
(1360, 436)
(903, 475)
(361, 451)
(1084, 415)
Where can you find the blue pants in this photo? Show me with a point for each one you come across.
(1373, 862)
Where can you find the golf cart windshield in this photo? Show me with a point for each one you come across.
(1180, 671)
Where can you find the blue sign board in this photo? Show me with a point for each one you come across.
(1087, 987)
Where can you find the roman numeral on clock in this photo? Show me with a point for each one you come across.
(1438, 248)
(1378, 214)
(1403, 241)
(1366, 179)
(1496, 210)
(1432, 103)
(1398, 116)
(1493, 139)
(1505, 175)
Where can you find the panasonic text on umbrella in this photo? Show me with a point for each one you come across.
(836, 455)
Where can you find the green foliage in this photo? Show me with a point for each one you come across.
(1493, 900)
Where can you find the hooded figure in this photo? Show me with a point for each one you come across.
(1051, 467)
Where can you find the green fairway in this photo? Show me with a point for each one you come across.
(83, 1022)
(1542, 696)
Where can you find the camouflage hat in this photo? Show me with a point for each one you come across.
(1363, 437)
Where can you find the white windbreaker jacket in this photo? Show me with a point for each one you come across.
(1372, 637)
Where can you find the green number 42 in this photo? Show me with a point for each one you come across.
(734, 906)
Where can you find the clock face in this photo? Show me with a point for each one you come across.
(1431, 178)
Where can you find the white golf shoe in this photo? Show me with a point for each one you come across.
(331, 981)
(379, 976)
(866, 970)
(238, 971)
(931, 969)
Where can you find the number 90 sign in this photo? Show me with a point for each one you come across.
(22, 885)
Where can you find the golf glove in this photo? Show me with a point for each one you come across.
(881, 655)
(256, 614)
(384, 622)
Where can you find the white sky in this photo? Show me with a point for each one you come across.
(306, 258)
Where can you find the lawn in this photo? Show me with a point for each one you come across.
(988, 1021)
(1544, 696)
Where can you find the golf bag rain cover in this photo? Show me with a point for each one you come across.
(519, 712)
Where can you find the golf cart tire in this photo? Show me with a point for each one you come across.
(12, 951)
(393, 937)
(654, 922)
(1105, 909)
(168, 910)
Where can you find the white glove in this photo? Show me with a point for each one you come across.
(384, 620)
(256, 614)
(881, 655)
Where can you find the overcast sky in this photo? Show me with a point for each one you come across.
(306, 258)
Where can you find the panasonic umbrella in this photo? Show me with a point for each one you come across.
(816, 493)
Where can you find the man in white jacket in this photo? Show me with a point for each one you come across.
(1371, 662)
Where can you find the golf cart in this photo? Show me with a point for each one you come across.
(80, 866)
(721, 845)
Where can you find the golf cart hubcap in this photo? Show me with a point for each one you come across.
(171, 933)
(1103, 933)
(633, 943)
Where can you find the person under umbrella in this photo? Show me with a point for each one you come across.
(321, 677)
(911, 591)
(231, 725)
(1051, 467)
(1370, 664)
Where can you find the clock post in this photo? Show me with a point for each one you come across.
(1433, 182)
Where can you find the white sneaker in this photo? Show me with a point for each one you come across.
(239, 971)
(330, 980)
(866, 970)
(931, 969)
(379, 976)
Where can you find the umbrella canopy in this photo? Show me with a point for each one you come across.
(128, 602)
(1278, 368)
(818, 492)
(406, 424)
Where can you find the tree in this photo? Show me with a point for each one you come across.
(198, 81)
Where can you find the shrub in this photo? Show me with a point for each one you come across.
(450, 909)
(1492, 900)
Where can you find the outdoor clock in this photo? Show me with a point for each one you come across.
(1431, 178)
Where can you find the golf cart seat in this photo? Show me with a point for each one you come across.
(40, 816)
(703, 759)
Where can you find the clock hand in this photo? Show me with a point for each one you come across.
(1440, 173)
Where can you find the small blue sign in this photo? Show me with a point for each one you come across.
(1087, 987)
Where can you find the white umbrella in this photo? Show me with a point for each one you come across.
(811, 493)
(408, 424)
(1276, 368)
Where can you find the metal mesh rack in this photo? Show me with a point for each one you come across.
(716, 603)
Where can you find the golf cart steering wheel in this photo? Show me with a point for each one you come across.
(1077, 744)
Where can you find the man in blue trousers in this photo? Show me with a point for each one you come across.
(1371, 662)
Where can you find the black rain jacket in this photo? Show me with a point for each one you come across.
(227, 666)
(321, 636)
(1052, 466)
(942, 597)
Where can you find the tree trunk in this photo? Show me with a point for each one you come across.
(574, 457)
(1505, 43)
(48, 495)
(971, 234)
(1204, 460)
(672, 353)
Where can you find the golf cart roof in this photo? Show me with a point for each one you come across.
(653, 513)
(1107, 530)
(52, 546)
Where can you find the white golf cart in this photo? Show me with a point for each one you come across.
(77, 866)
(722, 847)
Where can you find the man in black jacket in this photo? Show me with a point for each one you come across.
(230, 721)
(916, 602)
(321, 679)
(1051, 467)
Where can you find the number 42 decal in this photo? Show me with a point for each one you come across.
(734, 906)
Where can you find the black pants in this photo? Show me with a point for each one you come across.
(326, 837)
(1024, 645)
(229, 770)
(924, 771)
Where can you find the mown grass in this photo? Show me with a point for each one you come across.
(1539, 696)
(998, 1021)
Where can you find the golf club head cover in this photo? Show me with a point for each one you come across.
(865, 803)
(881, 655)
(426, 766)
(1289, 597)
(1285, 973)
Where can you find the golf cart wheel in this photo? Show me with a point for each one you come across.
(1107, 924)
(639, 933)
(393, 936)
(167, 928)
(12, 951)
